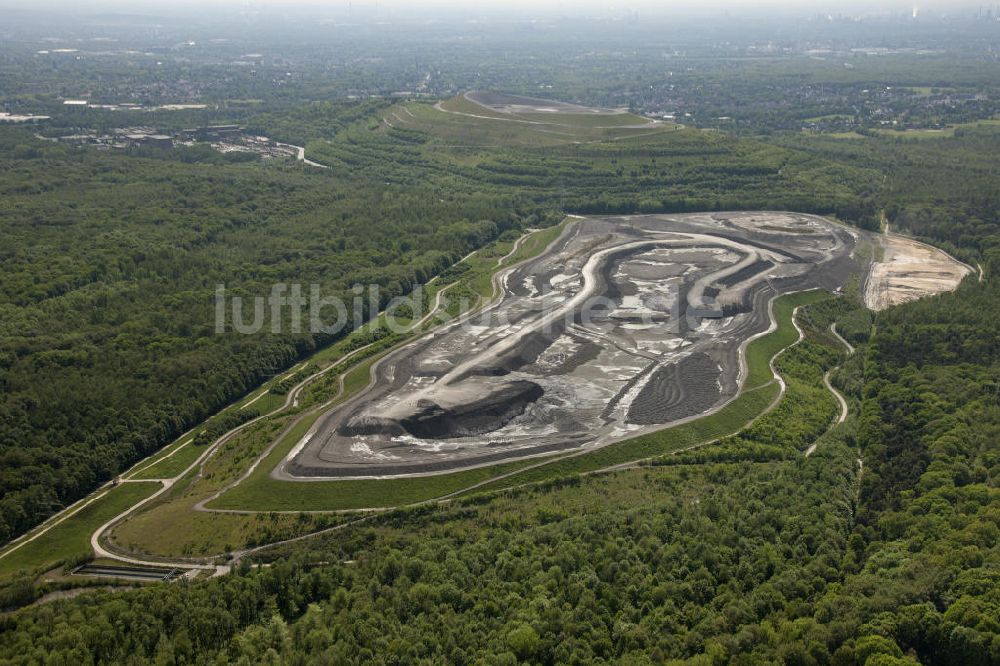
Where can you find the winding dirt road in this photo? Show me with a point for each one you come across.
(292, 400)
(844, 409)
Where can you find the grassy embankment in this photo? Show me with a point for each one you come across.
(71, 538)
(171, 527)
(462, 122)
(260, 492)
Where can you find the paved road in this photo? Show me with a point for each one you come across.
(836, 394)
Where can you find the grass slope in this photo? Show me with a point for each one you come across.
(262, 493)
(71, 538)
(460, 122)
(172, 465)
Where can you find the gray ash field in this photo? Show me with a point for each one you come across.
(625, 325)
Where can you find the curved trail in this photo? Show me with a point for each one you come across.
(836, 334)
(291, 399)
(101, 551)
(841, 400)
(368, 514)
(838, 395)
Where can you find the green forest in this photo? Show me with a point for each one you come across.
(880, 548)
(108, 347)
(783, 560)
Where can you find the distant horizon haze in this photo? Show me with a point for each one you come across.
(582, 7)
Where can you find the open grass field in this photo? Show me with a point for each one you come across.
(71, 538)
(760, 351)
(459, 122)
(170, 466)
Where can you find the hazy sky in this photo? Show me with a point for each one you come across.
(568, 6)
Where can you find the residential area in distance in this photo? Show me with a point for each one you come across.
(544, 333)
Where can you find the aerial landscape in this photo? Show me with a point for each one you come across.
(435, 333)
(623, 323)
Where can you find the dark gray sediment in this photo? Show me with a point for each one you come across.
(677, 391)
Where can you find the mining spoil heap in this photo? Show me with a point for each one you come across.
(623, 326)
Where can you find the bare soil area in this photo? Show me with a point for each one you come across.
(910, 270)
(624, 325)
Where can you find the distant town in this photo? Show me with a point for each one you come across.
(222, 138)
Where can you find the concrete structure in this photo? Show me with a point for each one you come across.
(16, 118)
(213, 133)
(149, 140)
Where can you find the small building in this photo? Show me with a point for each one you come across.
(151, 140)
(20, 118)
(160, 141)
(216, 132)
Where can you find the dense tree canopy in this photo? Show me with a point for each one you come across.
(745, 552)
(111, 261)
